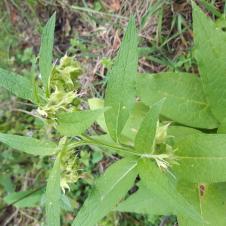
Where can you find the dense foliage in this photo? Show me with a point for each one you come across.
(167, 128)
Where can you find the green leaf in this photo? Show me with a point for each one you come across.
(185, 101)
(6, 182)
(145, 202)
(222, 127)
(145, 138)
(162, 185)
(210, 202)
(109, 190)
(201, 158)
(179, 132)
(46, 51)
(94, 104)
(16, 84)
(29, 145)
(210, 53)
(53, 196)
(29, 198)
(134, 121)
(75, 123)
(120, 92)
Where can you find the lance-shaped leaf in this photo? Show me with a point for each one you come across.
(22, 199)
(185, 101)
(210, 53)
(53, 195)
(145, 202)
(201, 158)
(163, 185)
(120, 92)
(133, 123)
(16, 84)
(46, 51)
(75, 123)
(210, 201)
(29, 145)
(145, 138)
(109, 190)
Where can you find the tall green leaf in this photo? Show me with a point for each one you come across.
(210, 201)
(185, 101)
(161, 185)
(210, 53)
(46, 51)
(53, 196)
(109, 189)
(16, 84)
(75, 123)
(29, 145)
(201, 158)
(145, 138)
(120, 92)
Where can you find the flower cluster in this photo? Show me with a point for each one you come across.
(69, 165)
(63, 86)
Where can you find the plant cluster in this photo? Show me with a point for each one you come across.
(167, 128)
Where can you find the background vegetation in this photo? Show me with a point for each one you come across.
(91, 31)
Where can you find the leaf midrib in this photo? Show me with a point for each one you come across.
(119, 180)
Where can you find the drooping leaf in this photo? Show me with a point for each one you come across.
(23, 199)
(211, 60)
(75, 123)
(29, 145)
(201, 158)
(53, 196)
(209, 201)
(120, 92)
(145, 138)
(16, 84)
(46, 49)
(185, 101)
(163, 185)
(109, 189)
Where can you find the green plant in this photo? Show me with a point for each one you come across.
(178, 170)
